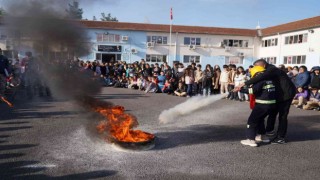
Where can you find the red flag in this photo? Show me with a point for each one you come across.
(171, 16)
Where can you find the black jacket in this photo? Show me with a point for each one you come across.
(264, 92)
(285, 89)
(4, 64)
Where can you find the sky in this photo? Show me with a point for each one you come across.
(212, 13)
(216, 13)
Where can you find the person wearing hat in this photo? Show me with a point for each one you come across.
(285, 90)
(315, 77)
(265, 104)
(4, 73)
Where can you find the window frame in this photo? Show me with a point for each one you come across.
(112, 38)
(155, 39)
(227, 60)
(294, 59)
(189, 59)
(270, 42)
(296, 39)
(236, 43)
(192, 41)
(156, 58)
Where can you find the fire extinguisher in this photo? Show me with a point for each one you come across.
(252, 99)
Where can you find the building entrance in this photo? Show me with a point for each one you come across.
(106, 58)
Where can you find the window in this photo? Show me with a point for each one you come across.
(158, 39)
(270, 60)
(286, 40)
(191, 59)
(233, 60)
(291, 40)
(118, 57)
(235, 43)
(240, 43)
(270, 42)
(305, 37)
(300, 38)
(192, 41)
(294, 59)
(152, 58)
(295, 39)
(103, 37)
(225, 42)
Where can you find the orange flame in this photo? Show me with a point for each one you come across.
(119, 125)
(6, 101)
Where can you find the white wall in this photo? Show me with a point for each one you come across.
(310, 48)
(209, 49)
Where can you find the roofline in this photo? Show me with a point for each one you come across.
(175, 28)
(292, 23)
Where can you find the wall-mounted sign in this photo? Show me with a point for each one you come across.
(107, 48)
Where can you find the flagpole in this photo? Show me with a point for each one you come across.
(170, 35)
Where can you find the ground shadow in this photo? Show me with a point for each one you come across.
(301, 128)
(20, 170)
(14, 128)
(198, 134)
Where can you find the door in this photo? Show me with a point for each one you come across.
(106, 58)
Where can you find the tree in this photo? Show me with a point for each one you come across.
(108, 18)
(74, 12)
(94, 18)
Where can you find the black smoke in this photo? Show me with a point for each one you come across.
(41, 26)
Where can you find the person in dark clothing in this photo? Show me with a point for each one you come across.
(4, 73)
(265, 104)
(315, 78)
(285, 92)
(303, 78)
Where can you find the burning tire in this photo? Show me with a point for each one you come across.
(135, 146)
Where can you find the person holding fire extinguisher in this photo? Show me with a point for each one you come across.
(263, 94)
(286, 91)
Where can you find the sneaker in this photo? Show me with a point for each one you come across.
(317, 109)
(279, 140)
(271, 133)
(262, 138)
(249, 142)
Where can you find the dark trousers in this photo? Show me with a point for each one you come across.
(198, 88)
(2, 84)
(232, 95)
(282, 109)
(256, 119)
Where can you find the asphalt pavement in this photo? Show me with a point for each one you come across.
(55, 139)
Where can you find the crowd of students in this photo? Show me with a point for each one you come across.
(192, 80)
(185, 81)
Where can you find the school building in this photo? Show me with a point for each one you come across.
(294, 43)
